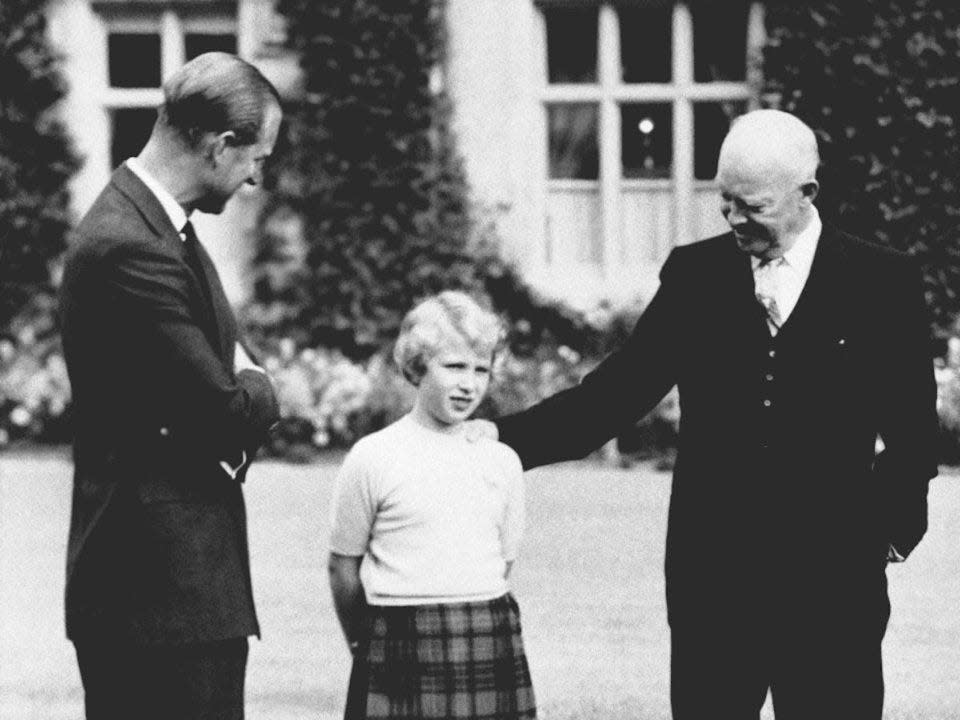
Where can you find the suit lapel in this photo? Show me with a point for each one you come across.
(738, 275)
(216, 316)
(225, 323)
(822, 300)
(146, 203)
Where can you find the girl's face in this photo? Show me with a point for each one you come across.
(454, 383)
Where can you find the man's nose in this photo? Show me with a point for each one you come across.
(733, 217)
(256, 177)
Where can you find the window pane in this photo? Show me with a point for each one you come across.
(720, 41)
(710, 124)
(131, 128)
(134, 60)
(200, 43)
(647, 140)
(646, 44)
(573, 141)
(572, 45)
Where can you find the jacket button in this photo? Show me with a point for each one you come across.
(772, 353)
(164, 431)
(767, 403)
(769, 377)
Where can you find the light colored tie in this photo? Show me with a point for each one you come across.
(766, 282)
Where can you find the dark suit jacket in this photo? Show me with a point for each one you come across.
(777, 497)
(158, 541)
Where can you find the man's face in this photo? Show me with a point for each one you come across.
(238, 165)
(765, 207)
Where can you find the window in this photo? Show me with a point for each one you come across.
(573, 142)
(144, 46)
(134, 59)
(720, 41)
(646, 44)
(572, 45)
(200, 43)
(646, 144)
(637, 99)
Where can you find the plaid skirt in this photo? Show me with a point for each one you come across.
(451, 660)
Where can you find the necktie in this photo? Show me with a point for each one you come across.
(766, 278)
(192, 256)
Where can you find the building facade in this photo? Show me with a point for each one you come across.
(589, 128)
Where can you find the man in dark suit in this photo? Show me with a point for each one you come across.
(794, 347)
(169, 411)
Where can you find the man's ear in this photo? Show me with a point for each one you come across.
(218, 144)
(810, 190)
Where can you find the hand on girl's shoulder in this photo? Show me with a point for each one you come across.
(480, 430)
(507, 458)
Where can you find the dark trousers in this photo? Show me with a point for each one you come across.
(812, 665)
(202, 681)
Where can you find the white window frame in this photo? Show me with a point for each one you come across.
(173, 28)
(173, 25)
(609, 92)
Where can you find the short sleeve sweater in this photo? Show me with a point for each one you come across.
(435, 517)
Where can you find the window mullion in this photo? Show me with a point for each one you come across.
(544, 258)
(756, 38)
(172, 50)
(610, 138)
(683, 123)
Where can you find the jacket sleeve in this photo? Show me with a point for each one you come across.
(619, 391)
(209, 403)
(909, 425)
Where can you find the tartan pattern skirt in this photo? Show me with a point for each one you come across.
(449, 660)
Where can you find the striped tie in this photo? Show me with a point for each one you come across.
(766, 288)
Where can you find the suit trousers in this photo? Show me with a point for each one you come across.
(814, 665)
(200, 681)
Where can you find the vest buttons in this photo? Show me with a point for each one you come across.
(768, 377)
(767, 403)
(772, 353)
(164, 431)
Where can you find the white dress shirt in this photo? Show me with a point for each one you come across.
(786, 276)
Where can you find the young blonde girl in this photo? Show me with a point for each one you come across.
(426, 526)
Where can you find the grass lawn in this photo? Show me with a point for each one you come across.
(589, 583)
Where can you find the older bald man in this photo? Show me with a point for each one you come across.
(794, 347)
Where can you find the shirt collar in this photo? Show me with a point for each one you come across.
(169, 204)
(800, 255)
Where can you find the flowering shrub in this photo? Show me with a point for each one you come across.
(329, 401)
(34, 391)
(323, 397)
(518, 382)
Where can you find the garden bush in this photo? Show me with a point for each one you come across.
(368, 195)
(34, 388)
(36, 159)
(329, 401)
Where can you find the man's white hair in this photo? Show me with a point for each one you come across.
(772, 139)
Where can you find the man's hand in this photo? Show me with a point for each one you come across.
(478, 430)
(242, 361)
